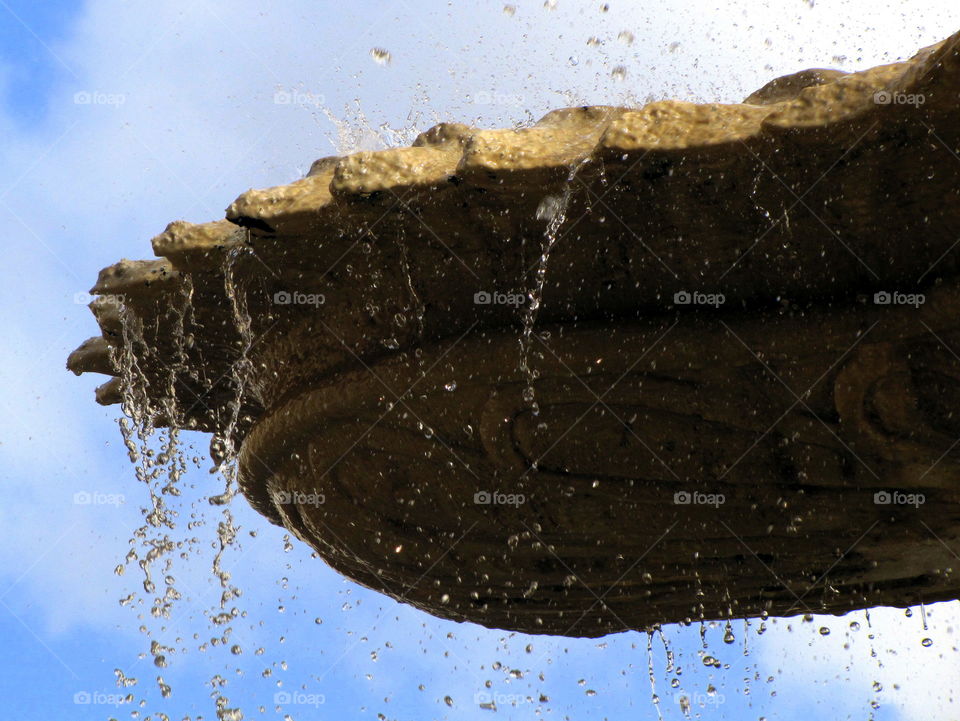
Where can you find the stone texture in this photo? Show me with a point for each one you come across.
(331, 326)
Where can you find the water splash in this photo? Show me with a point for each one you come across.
(355, 132)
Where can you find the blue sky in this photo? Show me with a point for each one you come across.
(181, 119)
(27, 32)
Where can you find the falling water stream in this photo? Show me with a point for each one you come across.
(160, 464)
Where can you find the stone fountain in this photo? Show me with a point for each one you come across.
(623, 367)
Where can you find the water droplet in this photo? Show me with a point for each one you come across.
(619, 73)
(451, 386)
(626, 37)
(927, 642)
(447, 700)
(549, 207)
(824, 631)
(509, 10)
(380, 56)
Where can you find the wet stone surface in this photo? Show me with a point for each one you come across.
(624, 367)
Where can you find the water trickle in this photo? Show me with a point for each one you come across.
(552, 210)
(415, 304)
(653, 678)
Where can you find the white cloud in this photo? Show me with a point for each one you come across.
(919, 682)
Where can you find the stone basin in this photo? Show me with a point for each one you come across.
(624, 367)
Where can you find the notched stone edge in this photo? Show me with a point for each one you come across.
(191, 246)
(140, 277)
